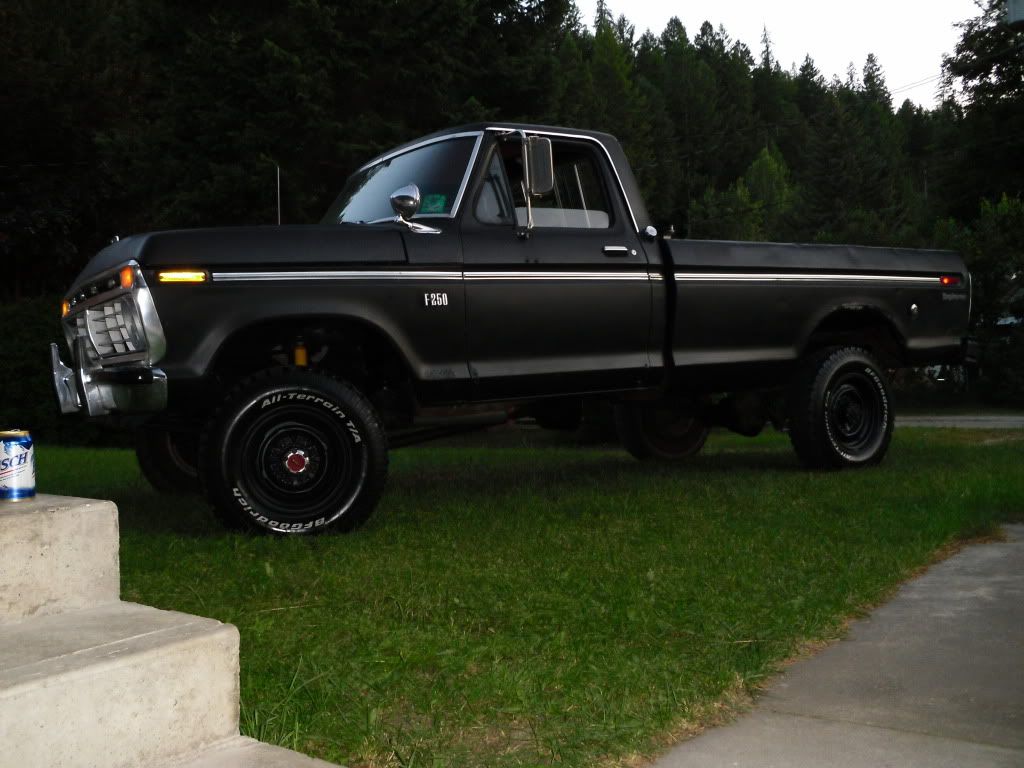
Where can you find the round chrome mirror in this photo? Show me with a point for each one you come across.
(406, 201)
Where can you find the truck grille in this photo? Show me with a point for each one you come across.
(111, 321)
(115, 328)
(111, 331)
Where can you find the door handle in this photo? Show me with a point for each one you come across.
(617, 250)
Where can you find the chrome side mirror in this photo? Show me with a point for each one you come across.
(540, 166)
(405, 202)
(538, 174)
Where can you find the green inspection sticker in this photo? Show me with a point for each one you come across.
(434, 204)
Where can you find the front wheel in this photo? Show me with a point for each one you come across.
(840, 410)
(294, 452)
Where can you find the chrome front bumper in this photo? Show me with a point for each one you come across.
(109, 390)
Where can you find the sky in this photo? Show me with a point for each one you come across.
(908, 37)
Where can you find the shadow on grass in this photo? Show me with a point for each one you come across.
(482, 475)
(481, 483)
(144, 511)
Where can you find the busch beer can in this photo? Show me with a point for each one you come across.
(17, 466)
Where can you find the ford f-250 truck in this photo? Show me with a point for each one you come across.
(478, 274)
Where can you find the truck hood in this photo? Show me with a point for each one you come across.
(255, 247)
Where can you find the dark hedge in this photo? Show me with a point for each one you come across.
(27, 399)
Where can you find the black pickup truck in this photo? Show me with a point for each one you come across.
(476, 275)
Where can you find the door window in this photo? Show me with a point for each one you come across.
(578, 200)
(493, 203)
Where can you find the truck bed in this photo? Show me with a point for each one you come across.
(740, 302)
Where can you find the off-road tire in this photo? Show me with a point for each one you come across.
(168, 458)
(294, 452)
(840, 410)
(660, 431)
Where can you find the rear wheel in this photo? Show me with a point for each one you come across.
(294, 452)
(840, 410)
(168, 458)
(666, 431)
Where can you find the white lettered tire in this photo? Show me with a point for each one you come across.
(294, 452)
(840, 410)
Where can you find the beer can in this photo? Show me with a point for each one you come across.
(17, 465)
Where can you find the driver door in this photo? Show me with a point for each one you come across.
(566, 309)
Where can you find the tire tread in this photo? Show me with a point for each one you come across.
(807, 432)
(229, 516)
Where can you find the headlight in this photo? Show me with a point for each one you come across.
(115, 327)
(112, 321)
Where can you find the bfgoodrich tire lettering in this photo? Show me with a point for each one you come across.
(294, 452)
(840, 410)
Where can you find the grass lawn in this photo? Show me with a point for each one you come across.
(531, 603)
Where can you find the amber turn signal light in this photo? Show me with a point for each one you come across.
(181, 276)
(127, 275)
(947, 280)
(65, 307)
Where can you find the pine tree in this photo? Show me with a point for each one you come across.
(986, 75)
(767, 178)
(875, 88)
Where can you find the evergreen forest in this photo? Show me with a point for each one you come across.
(122, 116)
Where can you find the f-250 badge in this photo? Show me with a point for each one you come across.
(435, 299)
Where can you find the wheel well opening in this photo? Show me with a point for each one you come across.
(861, 327)
(344, 347)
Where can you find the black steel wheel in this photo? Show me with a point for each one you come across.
(666, 431)
(168, 458)
(294, 452)
(840, 410)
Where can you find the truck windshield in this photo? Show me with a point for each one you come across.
(437, 169)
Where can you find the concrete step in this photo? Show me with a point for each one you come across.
(241, 752)
(57, 553)
(115, 686)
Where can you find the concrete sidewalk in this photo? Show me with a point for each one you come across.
(933, 678)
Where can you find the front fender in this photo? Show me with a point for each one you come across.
(199, 318)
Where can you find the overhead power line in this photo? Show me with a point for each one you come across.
(917, 83)
(931, 78)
